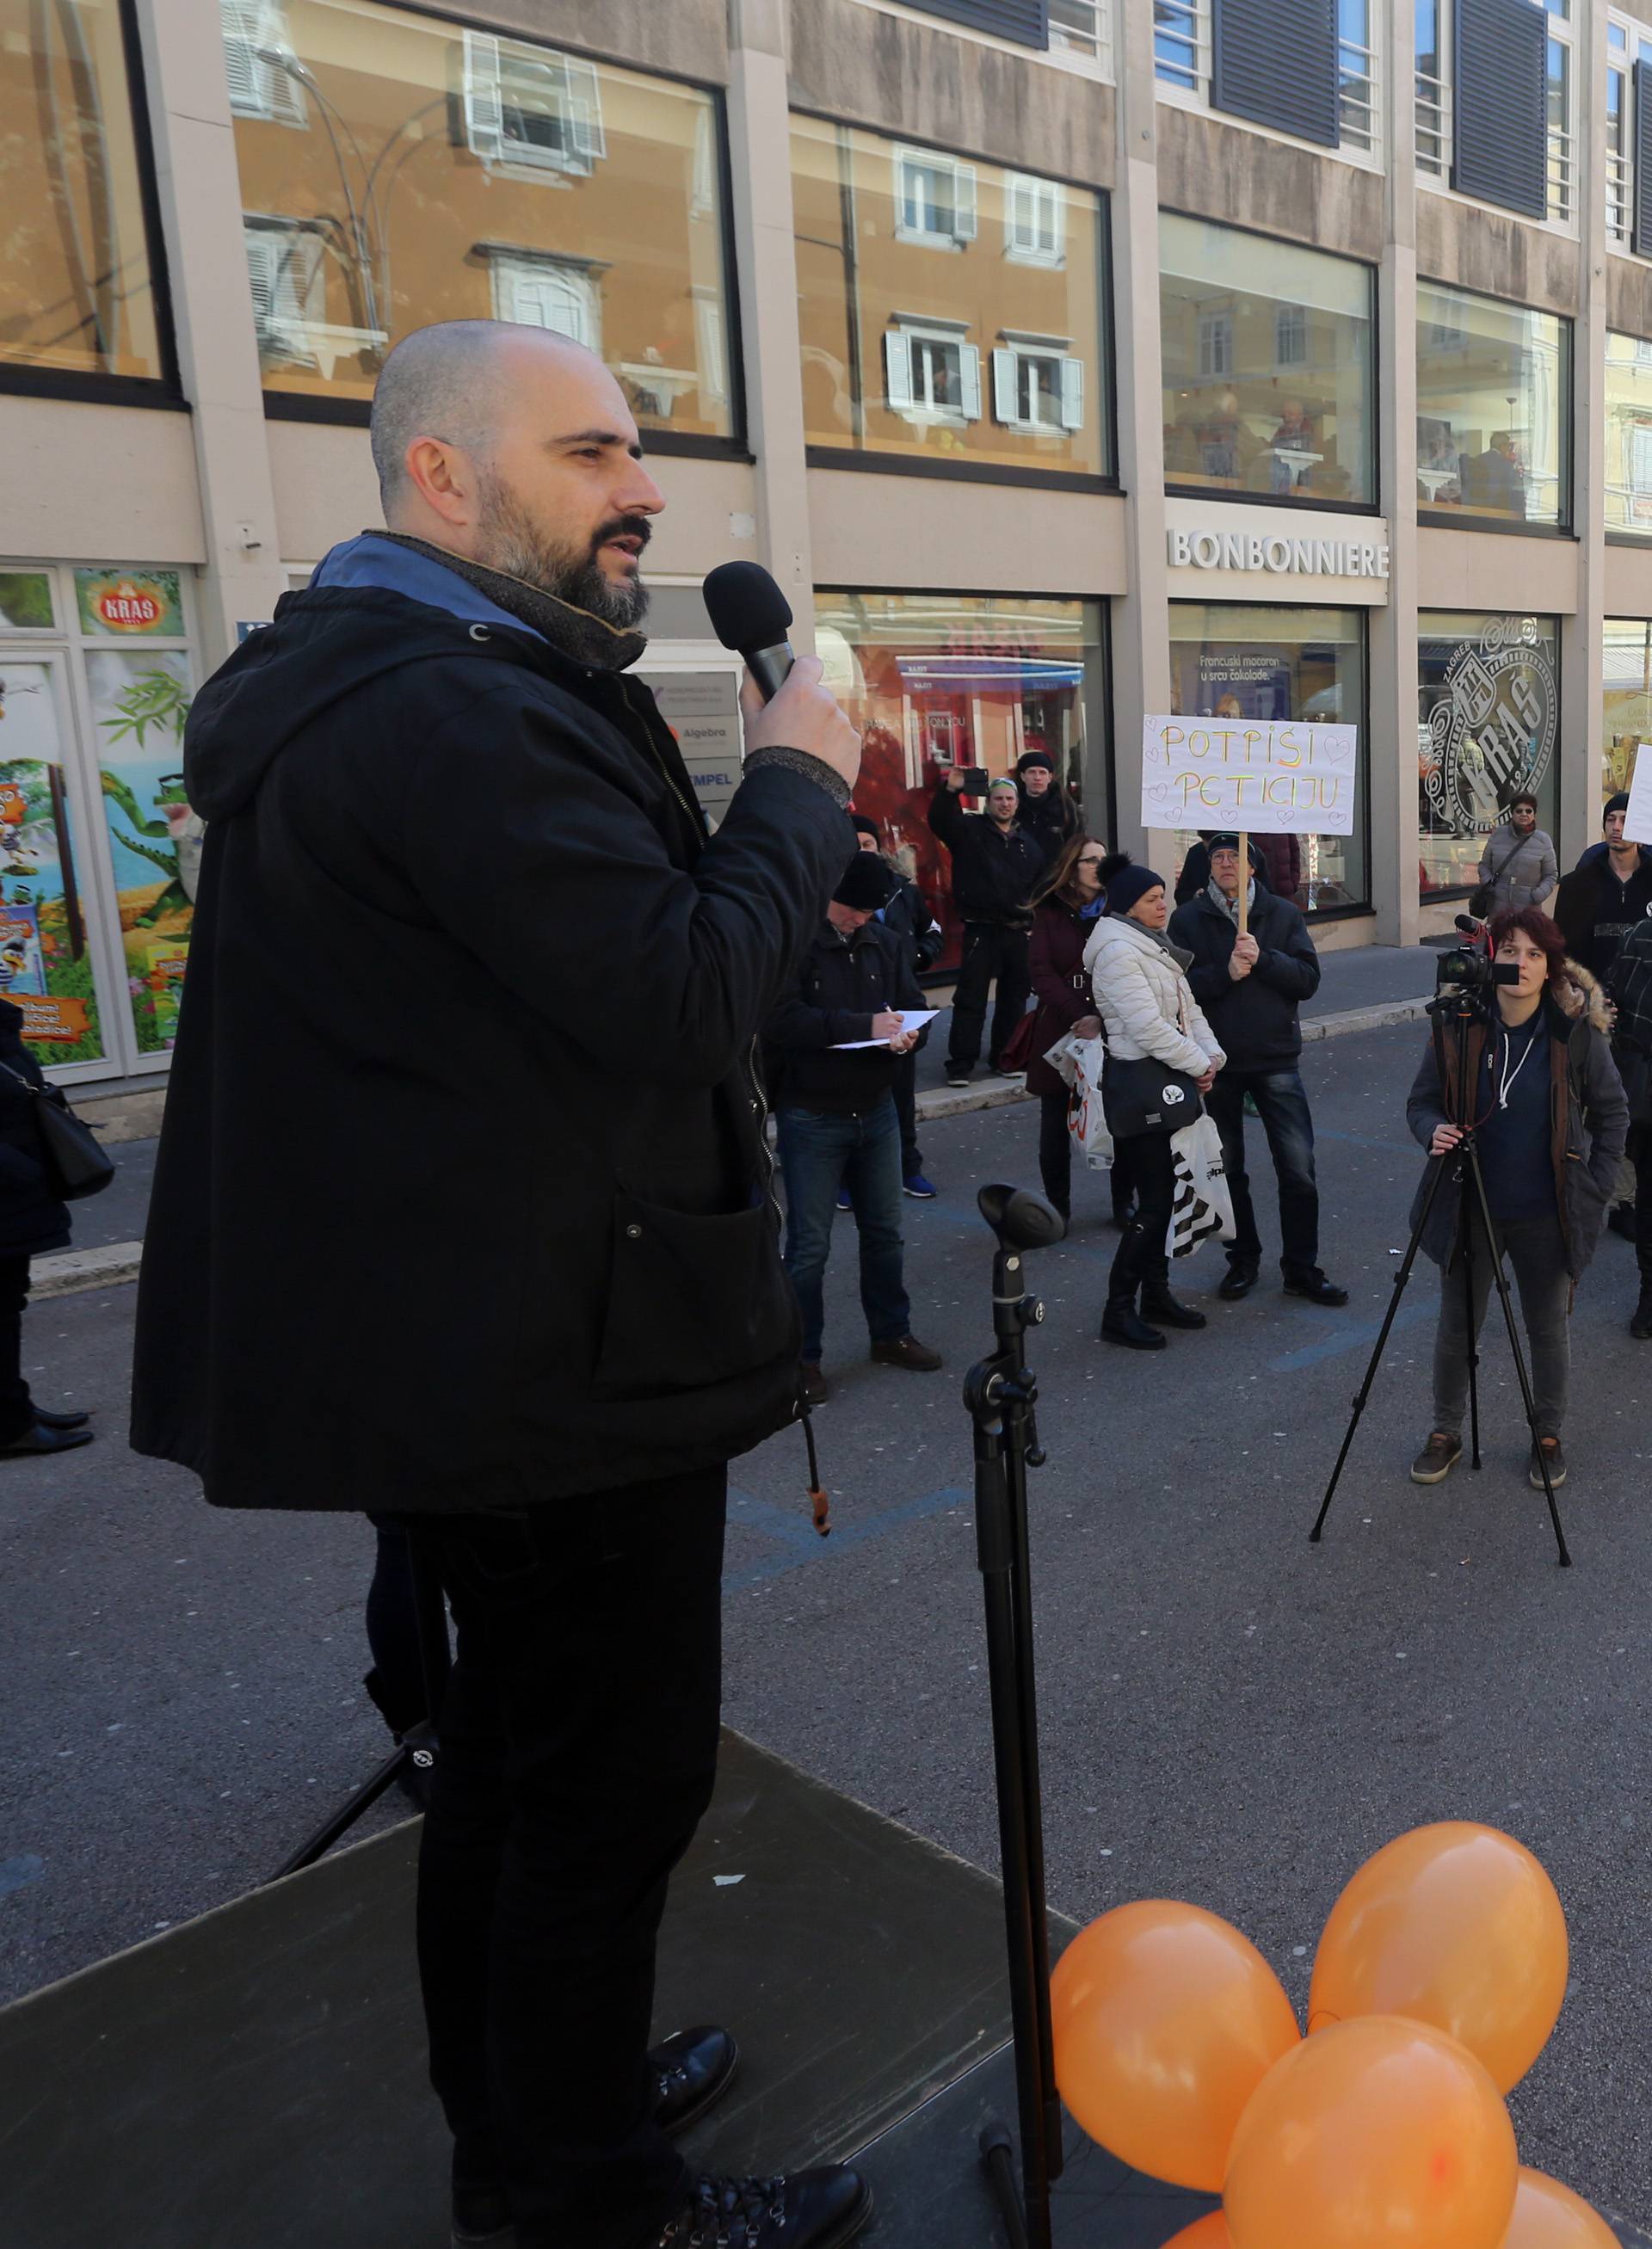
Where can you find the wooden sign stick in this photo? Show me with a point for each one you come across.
(1242, 901)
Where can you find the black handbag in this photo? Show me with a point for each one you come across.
(77, 1164)
(1145, 1095)
(1482, 900)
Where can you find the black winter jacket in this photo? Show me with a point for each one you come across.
(1255, 1019)
(1050, 819)
(994, 871)
(32, 1218)
(908, 914)
(1594, 909)
(846, 981)
(458, 1204)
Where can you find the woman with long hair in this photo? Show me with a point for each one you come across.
(1139, 984)
(1549, 1121)
(1066, 906)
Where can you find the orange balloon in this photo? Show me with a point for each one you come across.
(1456, 1925)
(1549, 2216)
(1167, 2019)
(1374, 2132)
(1207, 2234)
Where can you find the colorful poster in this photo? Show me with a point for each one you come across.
(124, 603)
(45, 967)
(139, 704)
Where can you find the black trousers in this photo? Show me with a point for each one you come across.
(904, 1090)
(16, 1408)
(1143, 1166)
(578, 1750)
(1640, 1154)
(989, 951)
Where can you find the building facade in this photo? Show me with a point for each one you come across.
(1066, 361)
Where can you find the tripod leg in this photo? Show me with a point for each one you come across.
(1015, 1470)
(436, 1657)
(1363, 1393)
(1474, 1340)
(1527, 1397)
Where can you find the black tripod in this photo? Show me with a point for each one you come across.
(1466, 1011)
(417, 1747)
(1000, 1393)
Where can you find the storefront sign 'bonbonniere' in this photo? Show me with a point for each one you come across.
(1282, 777)
(1282, 553)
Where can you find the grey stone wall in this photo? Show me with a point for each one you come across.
(1214, 170)
(689, 37)
(1475, 247)
(1629, 296)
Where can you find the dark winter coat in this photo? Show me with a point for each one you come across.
(1196, 870)
(1255, 1017)
(1056, 953)
(1594, 909)
(32, 1218)
(1588, 1121)
(458, 1204)
(1629, 988)
(994, 871)
(1051, 820)
(908, 914)
(845, 981)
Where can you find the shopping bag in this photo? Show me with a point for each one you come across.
(1202, 1204)
(1086, 1118)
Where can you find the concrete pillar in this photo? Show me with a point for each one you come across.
(1390, 747)
(1583, 634)
(200, 195)
(1140, 618)
(765, 251)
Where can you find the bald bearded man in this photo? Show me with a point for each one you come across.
(462, 1217)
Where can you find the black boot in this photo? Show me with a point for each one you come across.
(1160, 1307)
(1119, 1321)
(1641, 1319)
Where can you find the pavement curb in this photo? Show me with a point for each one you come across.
(69, 1271)
(999, 1092)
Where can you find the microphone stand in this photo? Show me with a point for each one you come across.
(1000, 1393)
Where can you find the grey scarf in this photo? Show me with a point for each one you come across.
(1231, 905)
(572, 632)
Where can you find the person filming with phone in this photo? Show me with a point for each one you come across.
(1549, 1121)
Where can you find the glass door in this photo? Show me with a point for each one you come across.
(48, 948)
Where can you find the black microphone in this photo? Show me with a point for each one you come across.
(750, 614)
(1467, 923)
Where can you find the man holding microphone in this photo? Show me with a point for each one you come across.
(460, 1219)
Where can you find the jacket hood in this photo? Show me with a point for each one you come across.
(1579, 996)
(323, 645)
(1596, 852)
(1119, 928)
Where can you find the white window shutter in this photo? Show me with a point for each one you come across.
(264, 249)
(898, 370)
(1072, 394)
(1005, 404)
(969, 369)
(585, 110)
(1053, 216)
(484, 101)
(963, 203)
(239, 22)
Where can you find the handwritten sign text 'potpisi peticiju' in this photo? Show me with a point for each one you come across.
(1281, 776)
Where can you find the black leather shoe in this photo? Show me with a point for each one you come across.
(61, 1420)
(41, 1437)
(482, 2219)
(1168, 1311)
(694, 2069)
(1315, 1287)
(1640, 1317)
(1121, 1322)
(812, 2209)
(1621, 1219)
(1238, 1280)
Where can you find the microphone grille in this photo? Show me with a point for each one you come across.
(748, 609)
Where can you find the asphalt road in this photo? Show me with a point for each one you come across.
(1229, 1714)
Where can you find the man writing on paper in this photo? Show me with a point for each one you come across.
(836, 1118)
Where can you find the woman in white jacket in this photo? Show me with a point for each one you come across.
(1146, 1007)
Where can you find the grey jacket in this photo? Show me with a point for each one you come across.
(1589, 1115)
(1529, 876)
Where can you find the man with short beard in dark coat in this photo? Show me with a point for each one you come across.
(462, 1216)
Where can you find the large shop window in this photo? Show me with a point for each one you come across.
(950, 310)
(1494, 411)
(1627, 692)
(396, 170)
(1266, 350)
(1488, 721)
(935, 680)
(77, 289)
(1228, 662)
(1628, 436)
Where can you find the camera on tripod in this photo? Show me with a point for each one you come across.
(1467, 971)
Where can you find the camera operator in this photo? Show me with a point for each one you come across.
(1550, 1119)
(458, 1219)
(997, 866)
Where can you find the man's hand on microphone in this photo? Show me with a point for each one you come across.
(803, 716)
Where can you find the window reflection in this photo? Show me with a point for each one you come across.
(395, 171)
(1488, 721)
(75, 285)
(1628, 436)
(1492, 409)
(947, 306)
(1266, 353)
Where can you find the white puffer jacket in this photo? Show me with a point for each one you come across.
(1145, 1003)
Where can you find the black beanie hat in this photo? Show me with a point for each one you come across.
(864, 826)
(1125, 882)
(865, 883)
(1618, 804)
(1034, 758)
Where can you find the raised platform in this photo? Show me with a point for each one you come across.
(255, 2080)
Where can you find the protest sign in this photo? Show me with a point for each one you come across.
(1280, 776)
(1637, 822)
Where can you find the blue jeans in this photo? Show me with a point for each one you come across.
(1282, 1104)
(818, 1154)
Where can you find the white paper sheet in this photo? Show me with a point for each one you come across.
(912, 1019)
